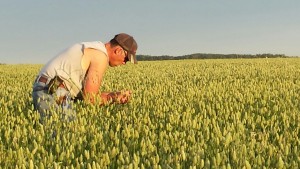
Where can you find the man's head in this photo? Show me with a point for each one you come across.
(122, 49)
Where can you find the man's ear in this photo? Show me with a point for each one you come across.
(118, 50)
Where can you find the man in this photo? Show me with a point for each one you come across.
(78, 71)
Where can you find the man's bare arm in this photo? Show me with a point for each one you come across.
(98, 63)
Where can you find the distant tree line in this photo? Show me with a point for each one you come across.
(208, 56)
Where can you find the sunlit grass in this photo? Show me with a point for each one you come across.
(190, 113)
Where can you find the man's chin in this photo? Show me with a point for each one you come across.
(115, 64)
(111, 64)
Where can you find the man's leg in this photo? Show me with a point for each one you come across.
(68, 114)
(44, 103)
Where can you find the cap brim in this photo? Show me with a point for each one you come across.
(132, 58)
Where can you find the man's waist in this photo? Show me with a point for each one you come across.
(56, 80)
(50, 84)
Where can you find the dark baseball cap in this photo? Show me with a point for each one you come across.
(129, 44)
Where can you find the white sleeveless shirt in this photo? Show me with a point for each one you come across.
(67, 65)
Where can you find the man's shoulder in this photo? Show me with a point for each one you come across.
(97, 45)
(94, 56)
(94, 52)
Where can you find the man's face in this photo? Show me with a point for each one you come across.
(119, 57)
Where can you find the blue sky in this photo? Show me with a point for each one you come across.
(33, 31)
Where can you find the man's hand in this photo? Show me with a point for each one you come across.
(121, 97)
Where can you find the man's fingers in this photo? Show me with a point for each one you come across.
(124, 96)
(124, 100)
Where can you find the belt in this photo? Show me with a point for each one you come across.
(58, 81)
(43, 79)
(51, 86)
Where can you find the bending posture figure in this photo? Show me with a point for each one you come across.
(77, 72)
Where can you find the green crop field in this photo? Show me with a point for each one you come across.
(239, 113)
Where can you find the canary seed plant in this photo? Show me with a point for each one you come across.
(183, 114)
